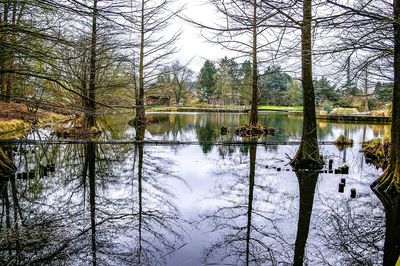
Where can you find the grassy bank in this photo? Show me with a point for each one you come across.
(196, 109)
(17, 118)
(12, 125)
(222, 108)
(280, 108)
(355, 118)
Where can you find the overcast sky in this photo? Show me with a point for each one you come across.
(192, 46)
(195, 49)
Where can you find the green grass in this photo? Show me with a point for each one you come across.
(280, 108)
(162, 109)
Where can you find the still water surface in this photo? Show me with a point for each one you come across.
(205, 204)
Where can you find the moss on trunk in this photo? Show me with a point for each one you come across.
(389, 181)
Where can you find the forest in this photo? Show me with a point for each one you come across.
(56, 53)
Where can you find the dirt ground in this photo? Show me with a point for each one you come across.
(16, 117)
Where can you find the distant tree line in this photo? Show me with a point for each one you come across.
(229, 82)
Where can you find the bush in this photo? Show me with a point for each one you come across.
(374, 104)
(347, 103)
(328, 107)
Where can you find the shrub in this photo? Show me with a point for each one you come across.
(328, 107)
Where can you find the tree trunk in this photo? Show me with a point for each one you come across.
(2, 54)
(91, 110)
(389, 181)
(9, 82)
(6, 60)
(307, 156)
(140, 111)
(366, 107)
(254, 97)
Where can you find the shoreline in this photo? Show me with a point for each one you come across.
(9, 126)
(16, 119)
(332, 118)
(355, 118)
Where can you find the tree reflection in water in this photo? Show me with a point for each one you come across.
(307, 183)
(391, 203)
(115, 204)
(95, 209)
(348, 231)
(246, 226)
(159, 226)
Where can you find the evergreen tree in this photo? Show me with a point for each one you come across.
(384, 91)
(294, 95)
(324, 91)
(228, 80)
(274, 86)
(246, 82)
(206, 84)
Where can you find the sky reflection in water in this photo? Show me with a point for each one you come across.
(189, 204)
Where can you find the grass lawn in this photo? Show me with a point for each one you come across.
(280, 108)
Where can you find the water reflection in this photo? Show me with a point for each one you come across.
(159, 226)
(307, 183)
(90, 166)
(137, 204)
(391, 204)
(247, 233)
(104, 205)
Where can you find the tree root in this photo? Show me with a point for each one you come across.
(389, 181)
(343, 142)
(254, 132)
(377, 152)
(75, 132)
(307, 159)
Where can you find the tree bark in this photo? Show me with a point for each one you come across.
(6, 53)
(140, 111)
(254, 98)
(307, 156)
(389, 181)
(91, 110)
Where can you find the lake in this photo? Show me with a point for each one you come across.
(201, 202)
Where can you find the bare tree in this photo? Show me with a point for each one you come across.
(150, 20)
(175, 79)
(91, 107)
(390, 180)
(246, 31)
(307, 155)
(382, 24)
